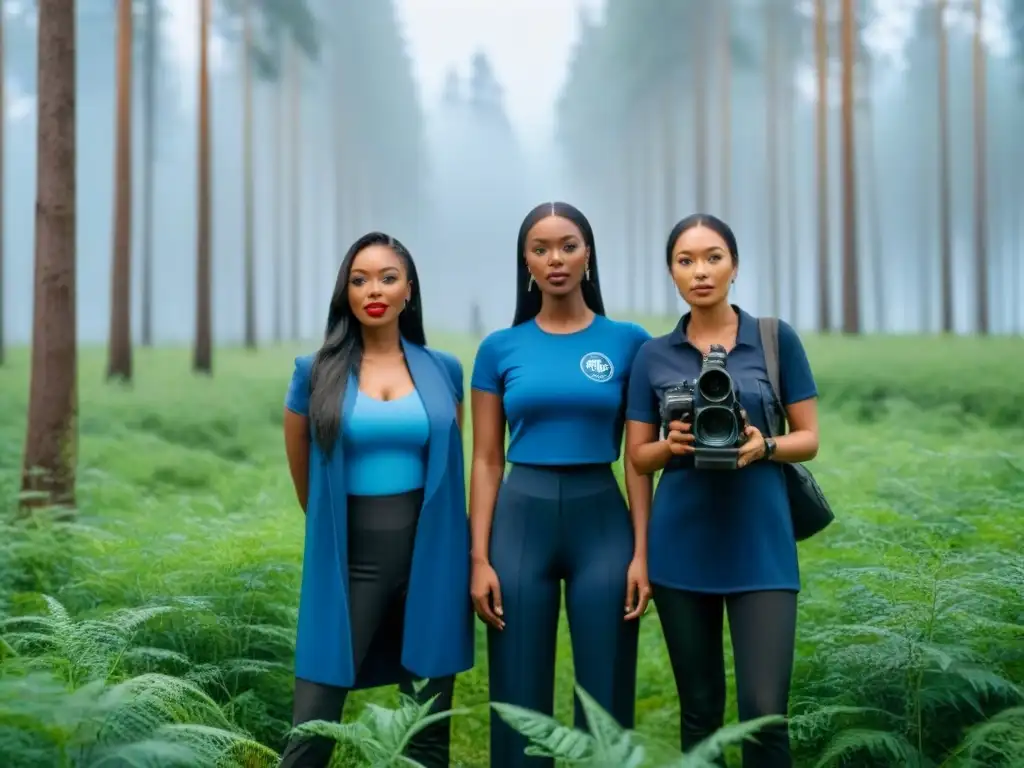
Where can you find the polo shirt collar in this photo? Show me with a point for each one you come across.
(747, 334)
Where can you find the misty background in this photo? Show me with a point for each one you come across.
(443, 122)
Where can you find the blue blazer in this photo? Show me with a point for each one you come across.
(438, 636)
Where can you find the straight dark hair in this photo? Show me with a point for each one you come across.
(342, 350)
(527, 301)
(713, 223)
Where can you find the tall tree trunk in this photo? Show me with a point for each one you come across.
(203, 354)
(280, 121)
(821, 164)
(945, 205)
(629, 213)
(119, 360)
(295, 156)
(980, 176)
(3, 152)
(924, 226)
(51, 444)
(149, 168)
(247, 181)
(725, 96)
(700, 120)
(787, 122)
(851, 282)
(670, 181)
(871, 197)
(774, 193)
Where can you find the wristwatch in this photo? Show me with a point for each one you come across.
(769, 447)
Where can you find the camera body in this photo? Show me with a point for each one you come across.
(710, 405)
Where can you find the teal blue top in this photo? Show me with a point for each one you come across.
(385, 445)
(564, 394)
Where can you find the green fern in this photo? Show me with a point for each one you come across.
(381, 735)
(609, 745)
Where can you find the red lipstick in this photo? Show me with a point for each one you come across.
(376, 309)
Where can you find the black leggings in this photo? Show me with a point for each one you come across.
(381, 533)
(763, 629)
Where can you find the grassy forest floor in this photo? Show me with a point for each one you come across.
(911, 619)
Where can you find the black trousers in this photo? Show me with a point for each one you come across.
(381, 534)
(555, 524)
(762, 626)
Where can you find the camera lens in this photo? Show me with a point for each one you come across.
(716, 427)
(715, 385)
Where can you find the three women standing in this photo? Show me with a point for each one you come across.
(388, 548)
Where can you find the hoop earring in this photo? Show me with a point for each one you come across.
(530, 282)
(586, 274)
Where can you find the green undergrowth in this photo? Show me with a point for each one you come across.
(164, 615)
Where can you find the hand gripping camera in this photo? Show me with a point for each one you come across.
(711, 406)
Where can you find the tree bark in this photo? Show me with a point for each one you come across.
(945, 204)
(774, 191)
(980, 177)
(51, 442)
(851, 283)
(295, 156)
(725, 96)
(821, 152)
(149, 163)
(247, 117)
(203, 354)
(3, 112)
(119, 361)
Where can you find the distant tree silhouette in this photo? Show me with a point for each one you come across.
(486, 96)
(451, 95)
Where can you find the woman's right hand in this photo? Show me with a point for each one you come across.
(680, 438)
(486, 593)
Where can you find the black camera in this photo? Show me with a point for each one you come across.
(711, 406)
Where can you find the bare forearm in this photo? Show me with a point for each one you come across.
(796, 447)
(639, 490)
(485, 480)
(649, 458)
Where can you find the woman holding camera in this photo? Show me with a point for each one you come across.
(723, 539)
(557, 377)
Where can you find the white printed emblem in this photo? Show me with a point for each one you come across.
(596, 366)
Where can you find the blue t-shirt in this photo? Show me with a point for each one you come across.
(722, 531)
(563, 394)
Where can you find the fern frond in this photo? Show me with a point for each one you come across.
(878, 744)
(547, 736)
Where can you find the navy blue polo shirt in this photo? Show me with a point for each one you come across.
(564, 394)
(721, 531)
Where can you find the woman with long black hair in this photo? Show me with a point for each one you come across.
(557, 378)
(722, 539)
(373, 435)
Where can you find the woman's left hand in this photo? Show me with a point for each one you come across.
(753, 447)
(638, 589)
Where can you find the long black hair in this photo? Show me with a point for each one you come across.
(713, 223)
(527, 301)
(342, 350)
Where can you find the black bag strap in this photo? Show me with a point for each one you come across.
(769, 328)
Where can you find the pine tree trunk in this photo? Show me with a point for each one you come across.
(203, 353)
(3, 101)
(851, 276)
(149, 163)
(247, 160)
(295, 156)
(821, 164)
(119, 362)
(51, 444)
(981, 290)
(945, 191)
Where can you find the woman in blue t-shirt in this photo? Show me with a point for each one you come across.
(373, 436)
(721, 537)
(557, 377)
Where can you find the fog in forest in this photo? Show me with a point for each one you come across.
(442, 161)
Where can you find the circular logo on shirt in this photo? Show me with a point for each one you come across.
(596, 366)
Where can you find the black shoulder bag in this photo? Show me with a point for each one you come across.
(808, 506)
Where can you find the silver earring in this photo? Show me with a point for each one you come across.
(586, 274)
(407, 302)
(529, 284)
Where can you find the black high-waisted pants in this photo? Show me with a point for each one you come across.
(381, 533)
(762, 626)
(555, 524)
